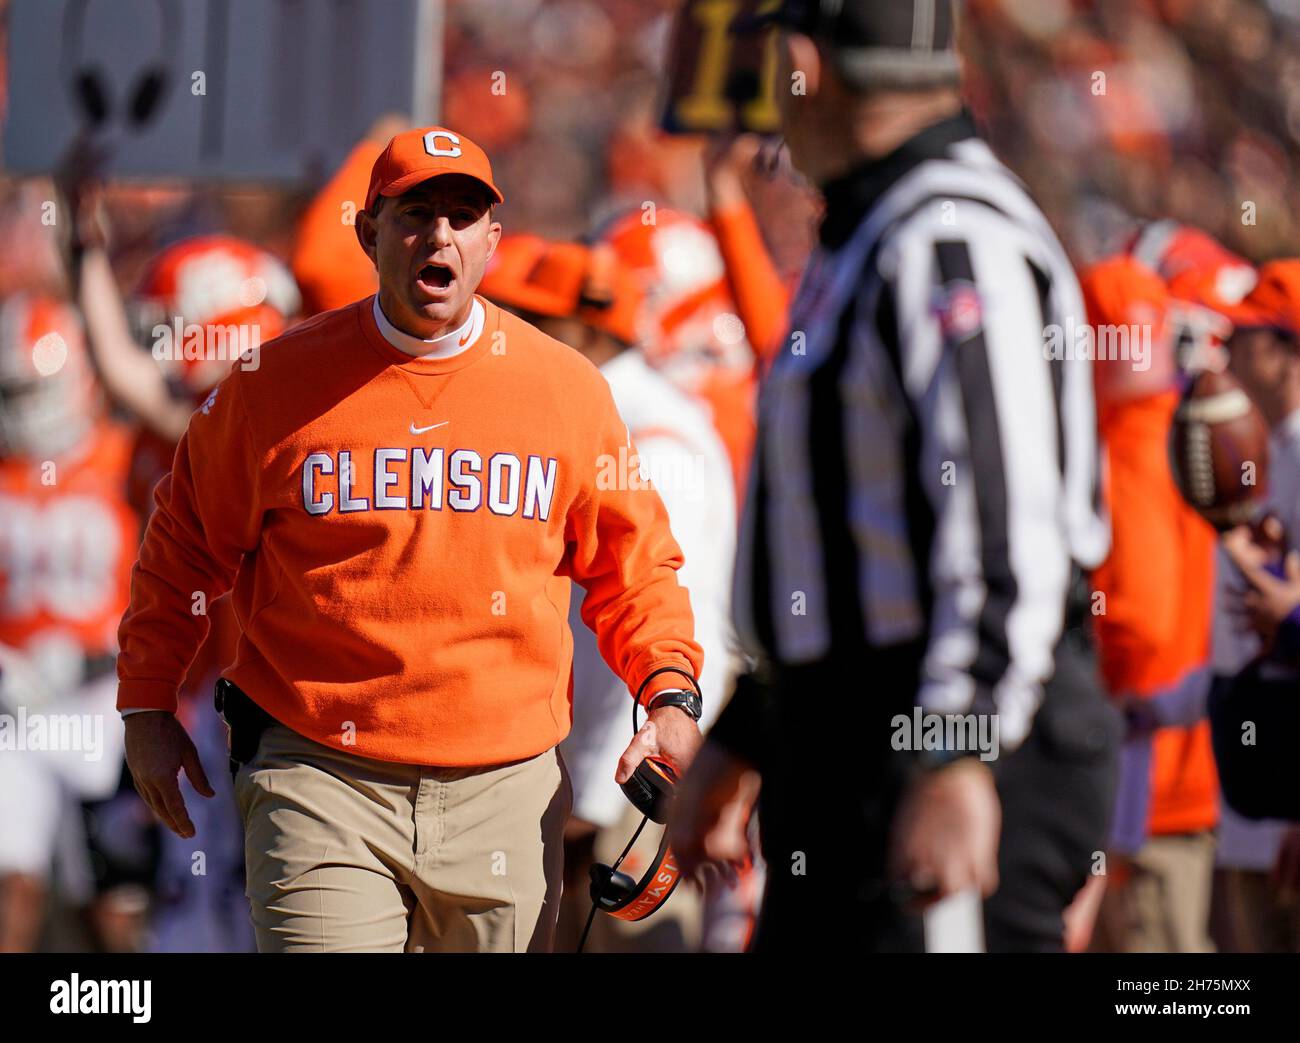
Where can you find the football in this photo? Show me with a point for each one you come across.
(1218, 449)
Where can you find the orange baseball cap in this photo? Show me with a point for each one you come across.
(1274, 303)
(423, 153)
(563, 280)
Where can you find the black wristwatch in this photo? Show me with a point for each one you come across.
(689, 702)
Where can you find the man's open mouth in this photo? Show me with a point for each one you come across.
(435, 276)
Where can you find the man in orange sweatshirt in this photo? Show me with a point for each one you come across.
(399, 492)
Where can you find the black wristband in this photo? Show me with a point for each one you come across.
(689, 703)
(640, 692)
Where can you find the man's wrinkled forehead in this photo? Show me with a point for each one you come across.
(449, 189)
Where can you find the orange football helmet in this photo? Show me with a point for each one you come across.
(48, 396)
(211, 281)
(1206, 281)
(688, 306)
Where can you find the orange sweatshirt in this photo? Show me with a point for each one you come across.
(400, 534)
(1158, 582)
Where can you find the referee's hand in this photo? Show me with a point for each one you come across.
(709, 824)
(157, 748)
(946, 832)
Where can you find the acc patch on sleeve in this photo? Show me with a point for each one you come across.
(958, 309)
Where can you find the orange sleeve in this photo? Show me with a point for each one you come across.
(761, 298)
(730, 396)
(621, 550)
(1184, 780)
(206, 518)
(1141, 579)
(331, 268)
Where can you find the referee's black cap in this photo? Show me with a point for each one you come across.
(873, 42)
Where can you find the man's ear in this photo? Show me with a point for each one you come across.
(368, 235)
(494, 237)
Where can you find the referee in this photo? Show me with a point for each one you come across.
(920, 517)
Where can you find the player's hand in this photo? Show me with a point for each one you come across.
(157, 748)
(1253, 548)
(1268, 599)
(78, 180)
(668, 733)
(728, 158)
(709, 821)
(946, 831)
(1273, 598)
(1080, 915)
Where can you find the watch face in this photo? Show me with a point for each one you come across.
(687, 701)
(690, 702)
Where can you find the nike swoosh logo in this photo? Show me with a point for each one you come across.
(420, 430)
(465, 339)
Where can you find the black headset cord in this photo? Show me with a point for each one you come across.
(595, 903)
(636, 704)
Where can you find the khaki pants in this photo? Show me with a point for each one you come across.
(349, 854)
(1164, 903)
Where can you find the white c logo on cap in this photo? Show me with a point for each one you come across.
(431, 144)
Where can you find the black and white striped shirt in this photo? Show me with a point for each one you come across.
(924, 471)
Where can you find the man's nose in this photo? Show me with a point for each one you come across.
(440, 232)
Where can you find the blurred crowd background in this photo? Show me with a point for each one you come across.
(1114, 112)
(1198, 113)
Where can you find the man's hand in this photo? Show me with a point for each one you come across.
(1260, 544)
(709, 821)
(78, 182)
(727, 161)
(1270, 600)
(1255, 547)
(1080, 915)
(946, 831)
(157, 748)
(669, 733)
(1266, 600)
